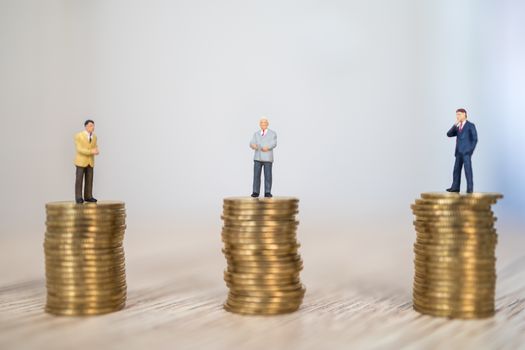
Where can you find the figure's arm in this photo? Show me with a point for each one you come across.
(80, 149)
(474, 137)
(253, 143)
(96, 151)
(453, 131)
(274, 142)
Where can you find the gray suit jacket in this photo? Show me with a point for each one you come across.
(268, 140)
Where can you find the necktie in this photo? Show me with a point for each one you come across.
(89, 138)
(461, 127)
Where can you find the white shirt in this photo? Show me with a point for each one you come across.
(460, 125)
(263, 132)
(88, 135)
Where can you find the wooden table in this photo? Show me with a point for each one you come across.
(358, 296)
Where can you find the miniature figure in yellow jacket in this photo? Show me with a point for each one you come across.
(86, 150)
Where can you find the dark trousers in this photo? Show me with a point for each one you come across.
(463, 160)
(257, 167)
(82, 172)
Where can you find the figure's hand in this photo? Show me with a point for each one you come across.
(253, 146)
(95, 151)
(265, 149)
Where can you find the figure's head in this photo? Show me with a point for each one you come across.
(461, 114)
(89, 125)
(263, 123)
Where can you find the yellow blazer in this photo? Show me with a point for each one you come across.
(84, 156)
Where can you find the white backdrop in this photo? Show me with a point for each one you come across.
(359, 92)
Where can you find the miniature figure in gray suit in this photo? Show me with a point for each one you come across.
(263, 142)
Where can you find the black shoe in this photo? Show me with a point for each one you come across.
(452, 190)
(268, 195)
(79, 200)
(255, 194)
(91, 200)
(470, 191)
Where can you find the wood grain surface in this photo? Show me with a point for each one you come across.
(358, 296)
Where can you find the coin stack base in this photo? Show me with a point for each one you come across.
(85, 270)
(455, 272)
(261, 250)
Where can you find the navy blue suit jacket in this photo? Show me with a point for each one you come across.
(466, 140)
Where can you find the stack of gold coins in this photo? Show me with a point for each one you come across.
(261, 250)
(455, 263)
(85, 272)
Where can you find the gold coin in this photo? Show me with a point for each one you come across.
(85, 275)
(456, 201)
(288, 258)
(452, 260)
(260, 229)
(468, 202)
(438, 222)
(80, 310)
(262, 201)
(455, 284)
(478, 195)
(274, 213)
(238, 288)
(81, 266)
(80, 225)
(68, 296)
(441, 303)
(261, 276)
(71, 204)
(81, 246)
(267, 246)
(258, 218)
(455, 221)
(236, 251)
(237, 235)
(276, 240)
(59, 303)
(84, 256)
(455, 315)
(463, 254)
(265, 300)
(452, 212)
(84, 278)
(458, 239)
(260, 224)
(452, 232)
(83, 309)
(259, 269)
(467, 274)
(299, 291)
(456, 293)
(260, 204)
(99, 217)
(482, 248)
(261, 281)
(460, 208)
(77, 215)
(267, 306)
(265, 266)
(455, 308)
(276, 303)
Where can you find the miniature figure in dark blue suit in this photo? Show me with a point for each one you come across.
(466, 140)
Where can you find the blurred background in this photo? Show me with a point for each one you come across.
(360, 93)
